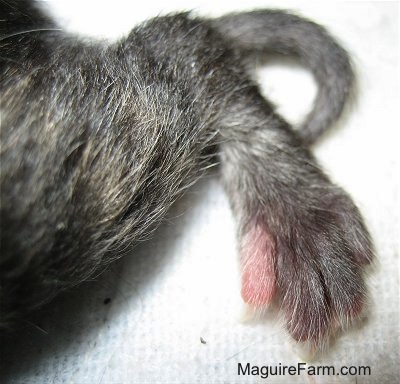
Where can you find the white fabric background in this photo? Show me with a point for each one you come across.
(184, 283)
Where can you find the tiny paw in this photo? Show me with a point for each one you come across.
(310, 261)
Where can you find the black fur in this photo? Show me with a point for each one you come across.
(97, 142)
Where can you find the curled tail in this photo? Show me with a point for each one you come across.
(281, 32)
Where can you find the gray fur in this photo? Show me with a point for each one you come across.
(284, 33)
(97, 142)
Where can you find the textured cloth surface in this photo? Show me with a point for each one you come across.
(143, 320)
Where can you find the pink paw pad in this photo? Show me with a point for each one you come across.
(258, 267)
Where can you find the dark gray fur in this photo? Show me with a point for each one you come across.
(97, 142)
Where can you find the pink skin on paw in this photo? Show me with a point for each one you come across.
(258, 272)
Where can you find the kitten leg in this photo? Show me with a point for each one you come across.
(302, 240)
